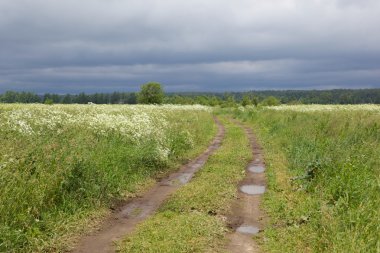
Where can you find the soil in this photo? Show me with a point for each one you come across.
(126, 217)
(246, 218)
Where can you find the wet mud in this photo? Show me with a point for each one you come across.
(250, 230)
(256, 168)
(252, 189)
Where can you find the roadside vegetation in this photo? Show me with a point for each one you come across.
(323, 174)
(63, 166)
(193, 219)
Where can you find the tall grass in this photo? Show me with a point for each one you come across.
(56, 175)
(324, 178)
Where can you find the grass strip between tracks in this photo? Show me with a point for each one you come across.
(193, 219)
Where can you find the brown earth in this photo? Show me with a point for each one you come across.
(125, 218)
(246, 208)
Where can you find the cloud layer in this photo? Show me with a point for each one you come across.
(215, 45)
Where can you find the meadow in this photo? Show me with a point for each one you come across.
(324, 176)
(63, 166)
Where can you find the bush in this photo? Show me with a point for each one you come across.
(270, 101)
(49, 101)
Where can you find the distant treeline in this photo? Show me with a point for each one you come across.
(271, 97)
(81, 98)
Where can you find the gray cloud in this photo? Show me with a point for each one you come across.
(106, 45)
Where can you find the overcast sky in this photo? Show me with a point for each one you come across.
(198, 45)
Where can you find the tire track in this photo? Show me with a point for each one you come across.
(125, 219)
(246, 219)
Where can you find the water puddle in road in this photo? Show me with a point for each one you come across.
(185, 177)
(181, 179)
(200, 162)
(252, 189)
(251, 230)
(134, 211)
(256, 169)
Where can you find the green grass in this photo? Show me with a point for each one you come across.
(58, 184)
(338, 208)
(192, 219)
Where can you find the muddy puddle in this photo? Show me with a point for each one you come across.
(256, 169)
(180, 178)
(245, 229)
(252, 189)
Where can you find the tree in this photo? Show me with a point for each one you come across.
(202, 100)
(49, 101)
(115, 98)
(214, 101)
(132, 98)
(9, 97)
(246, 100)
(271, 101)
(229, 100)
(82, 98)
(67, 99)
(151, 93)
(255, 100)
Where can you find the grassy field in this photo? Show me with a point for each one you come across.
(62, 167)
(193, 219)
(324, 176)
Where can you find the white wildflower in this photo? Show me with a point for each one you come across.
(139, 123)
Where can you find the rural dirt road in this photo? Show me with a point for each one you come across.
(247, 219)
(125, 219)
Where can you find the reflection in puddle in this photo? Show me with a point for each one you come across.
(253, 189)
(244, 229)
(256, 169)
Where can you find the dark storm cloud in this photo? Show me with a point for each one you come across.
(106, 45)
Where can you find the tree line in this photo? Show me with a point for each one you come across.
(153, 93)
(81, 98)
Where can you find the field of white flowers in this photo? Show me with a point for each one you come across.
(136, 122)
(60, 160)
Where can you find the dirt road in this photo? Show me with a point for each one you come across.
(125, 219)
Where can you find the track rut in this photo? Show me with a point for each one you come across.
(247, 219)
(124, 219)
